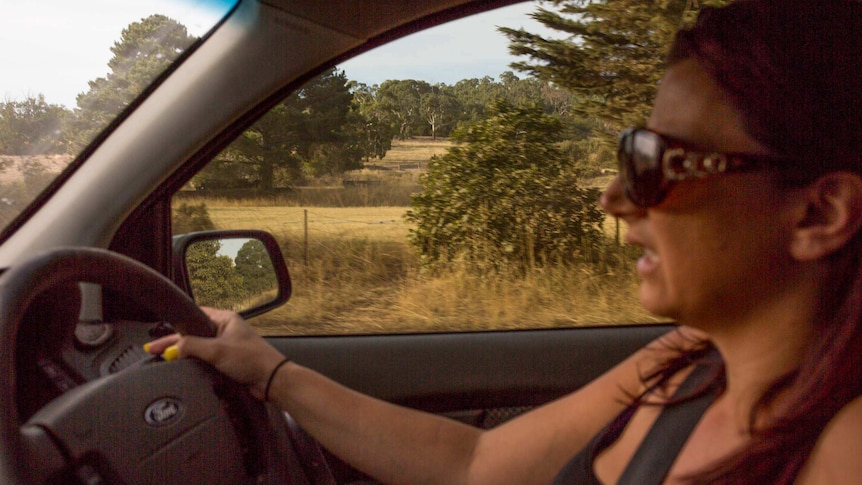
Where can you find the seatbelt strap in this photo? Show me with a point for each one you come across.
(659, 449)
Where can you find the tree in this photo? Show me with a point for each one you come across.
(475, 95)
(521, 92)
(271, 143)
(316, 130)
(438, 108)
(401, 100)
(254, 265)
(505, 194)
(557, 101)
(213, 279)
(145, 49)
(376, 133)
(611, 56)
(32, 127)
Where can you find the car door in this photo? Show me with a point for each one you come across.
(482, 378)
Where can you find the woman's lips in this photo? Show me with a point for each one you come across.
(647, 263)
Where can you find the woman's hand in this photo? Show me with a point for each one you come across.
(237, 350)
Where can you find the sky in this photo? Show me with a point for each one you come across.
(45, 50)
(462, 49)
(54, 47)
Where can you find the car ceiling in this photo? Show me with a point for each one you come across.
(366, 19)
(210, 97)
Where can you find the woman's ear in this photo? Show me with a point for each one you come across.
(830, 215)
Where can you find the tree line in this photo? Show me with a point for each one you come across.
(598, 78)
(329, 126)
(332, 125)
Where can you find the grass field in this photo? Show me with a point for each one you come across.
(419, 149)
(355, 272)
(379, 223)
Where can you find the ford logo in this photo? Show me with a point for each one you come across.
(163, 411)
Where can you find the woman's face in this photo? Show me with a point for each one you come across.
(716, 247)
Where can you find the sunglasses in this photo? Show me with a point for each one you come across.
(650, 165)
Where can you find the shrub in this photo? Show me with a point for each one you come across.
(505, 195)
(191, 218)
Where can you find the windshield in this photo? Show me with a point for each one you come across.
(69, 68)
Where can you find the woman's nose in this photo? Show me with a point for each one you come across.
(614, 201)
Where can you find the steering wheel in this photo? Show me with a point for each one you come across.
(153, 422)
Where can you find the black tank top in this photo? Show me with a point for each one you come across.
(650, 462)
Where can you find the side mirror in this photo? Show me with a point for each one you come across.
(243, 270)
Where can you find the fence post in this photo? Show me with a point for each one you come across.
(305, 237)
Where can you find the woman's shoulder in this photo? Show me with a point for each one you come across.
(835, 458)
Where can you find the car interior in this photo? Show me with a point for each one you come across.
(86, 404)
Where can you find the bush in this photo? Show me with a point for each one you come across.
(506, 195)
(191, 218)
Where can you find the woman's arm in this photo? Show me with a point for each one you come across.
(400, 445)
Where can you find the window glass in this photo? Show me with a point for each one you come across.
(433, 185)
(69, 68)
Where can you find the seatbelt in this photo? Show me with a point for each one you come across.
(659, 449)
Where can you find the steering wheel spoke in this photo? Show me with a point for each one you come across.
(150, 420)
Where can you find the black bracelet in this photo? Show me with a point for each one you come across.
(272, 378)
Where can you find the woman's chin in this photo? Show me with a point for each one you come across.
(656, 302)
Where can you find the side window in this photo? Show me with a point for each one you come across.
(433, 185)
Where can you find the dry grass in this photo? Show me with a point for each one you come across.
(418, 149)
(380, 224)
(456, 301)
(359, 275)
(354, 272)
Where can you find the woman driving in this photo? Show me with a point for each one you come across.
(744, 190)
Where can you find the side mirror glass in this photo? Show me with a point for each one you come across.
(243, 271)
